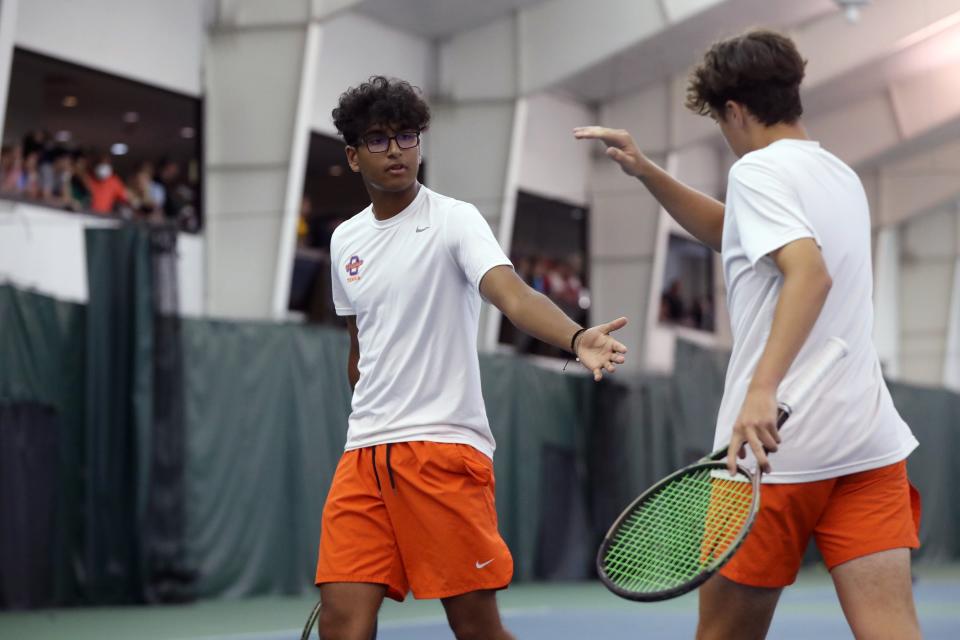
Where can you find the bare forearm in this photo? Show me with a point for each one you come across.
(801, 300)
(696, 212)
(536, 315)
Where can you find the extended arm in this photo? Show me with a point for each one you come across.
(696, 212)
(535, 314)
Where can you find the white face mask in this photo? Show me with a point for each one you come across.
(103, 171)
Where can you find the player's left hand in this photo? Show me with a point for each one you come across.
(756, 427)
(598, 351)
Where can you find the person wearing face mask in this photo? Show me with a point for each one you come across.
(106, 189)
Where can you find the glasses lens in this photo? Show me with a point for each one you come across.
(377, 144)
(407, 139)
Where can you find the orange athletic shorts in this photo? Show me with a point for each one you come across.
(849, 517)
(414, 515)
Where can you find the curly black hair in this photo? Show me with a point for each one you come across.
(380, 100)
(760, 69)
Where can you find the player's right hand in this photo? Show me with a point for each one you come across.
(620, 147)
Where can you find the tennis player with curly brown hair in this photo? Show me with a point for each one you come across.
(412, 505)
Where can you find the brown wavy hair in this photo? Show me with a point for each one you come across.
(760, 69)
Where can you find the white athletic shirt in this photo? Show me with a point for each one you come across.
(413, 283)
(789, 190)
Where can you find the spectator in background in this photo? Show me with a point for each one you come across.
(303, 223)
(36, 141)
(11, 168)
(78, 181)
(106, 189)
(168, 177)
(55, 180)
(29, 184)
(146, 195)
(672, 308)
(524, 265)
(540, 279)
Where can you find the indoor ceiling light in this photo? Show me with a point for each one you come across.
(62, 136)
(118, 149)
(131, 117)
(70, 101)
(851, 9)
(187, 132)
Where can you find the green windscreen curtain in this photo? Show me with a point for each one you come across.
(265, 412)
(267, 409)
(933, 416)
(41, 376)
(118, 409)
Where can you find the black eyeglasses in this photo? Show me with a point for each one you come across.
(380, 142)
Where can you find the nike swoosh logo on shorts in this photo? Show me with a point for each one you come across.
(481, 565)
(419, 229)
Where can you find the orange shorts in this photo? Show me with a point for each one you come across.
(414, 515)
(849, 517)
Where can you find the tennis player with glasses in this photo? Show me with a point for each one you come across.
(411, 506)
(794, 239)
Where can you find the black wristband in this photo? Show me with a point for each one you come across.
(573, 341)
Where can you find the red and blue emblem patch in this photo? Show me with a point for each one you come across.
(353, 268)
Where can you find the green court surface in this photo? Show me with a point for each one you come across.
(554, 611)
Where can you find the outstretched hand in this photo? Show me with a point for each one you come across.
(620, 147)
(598, 351)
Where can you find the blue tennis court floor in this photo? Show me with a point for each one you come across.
(552, 611)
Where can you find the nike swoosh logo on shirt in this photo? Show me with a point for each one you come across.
(419, 229)
(481, 565)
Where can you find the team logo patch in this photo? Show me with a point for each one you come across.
(353, 268)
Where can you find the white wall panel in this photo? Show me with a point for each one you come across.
(352, 49)
(160, 43)
(553, 163)
(857, 131)
(257, 79)
(623, 217)
(241, 260)
(928, 99)
(469, 147)
(678, 10)
(561, 37)
(45, 250)
(620, 288)
(480, 63)
(646, 115)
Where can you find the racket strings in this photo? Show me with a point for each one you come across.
(678, 533)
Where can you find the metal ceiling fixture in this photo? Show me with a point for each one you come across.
(851, 8)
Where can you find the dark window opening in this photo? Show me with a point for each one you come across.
(686, 297)
(92, 142)
(549, 251)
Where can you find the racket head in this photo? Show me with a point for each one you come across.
(679, 532)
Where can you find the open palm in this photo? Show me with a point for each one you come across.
(598, 351)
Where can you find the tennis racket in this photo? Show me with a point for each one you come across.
(683, 529)
(312, 624)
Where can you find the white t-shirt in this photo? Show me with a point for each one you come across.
(413, 284)
(789, 190)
